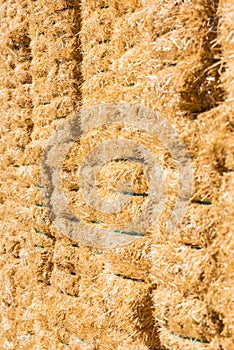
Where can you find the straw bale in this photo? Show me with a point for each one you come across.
(142, 49)
(173, 341)
(161, 56)
(9, 299)
(188, 269)
(64, 74)
(33, 151)
(39, 333)
(120, 307)
(112, 178)
(55, 64)
(65, 282)
(28, 236)
(11, 155)
(118, 260)
(99, 29)
(28, 195)
(220, 294)
(178, 90)
(28, 174)
(79, 265)
(198, 228)
(157, 54)
(13, 239)
(58, 24)
(214, 286)
(11, 210)
(178, 12)
(213, 151)
(40, 256)
(225, 37)
(214, 219)
(15, 80)
(77, 320)
(98, 61)
(14, 117)
(48, 318)
(59, 108)
(39, 217)
(191, 317)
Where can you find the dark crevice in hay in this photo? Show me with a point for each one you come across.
(201, 202)
(217, 320)
(141, 160)
(104, 41)
(193, 246)
(129, 278)
(220, 159)
(62, 117)
(134, 194)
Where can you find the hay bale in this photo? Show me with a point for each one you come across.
(186, 320)
(226, 40)
(55, 64)
(131, 49)
(220, 292)
(188, 265)
(120, 307)
(173, 341)
(159, 56)
(58, 294)
(28, 239)
(195, 316)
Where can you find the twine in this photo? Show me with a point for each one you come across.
(137, 234)
(42, 233)
(67, 344)
(134, 194)
(131, 233)
(202, 202)
(194, 340)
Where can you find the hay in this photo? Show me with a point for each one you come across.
(226, 40)
(197, 314)
(186, 321)
(220, 294)
(113, 176)
(172, 292)
(188, 265)
(133, 50)
(30, 61)
(122, 309)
